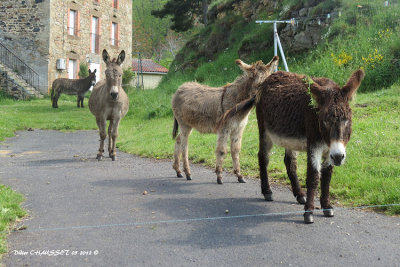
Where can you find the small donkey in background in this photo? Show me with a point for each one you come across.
(199, 106)
(77, 87)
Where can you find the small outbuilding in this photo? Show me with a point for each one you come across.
(148, 74)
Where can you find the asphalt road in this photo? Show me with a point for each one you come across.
(95, 214)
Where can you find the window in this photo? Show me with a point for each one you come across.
(73, 22)
(95, 36)
(72, 69)
(115, 4)
(114, 33)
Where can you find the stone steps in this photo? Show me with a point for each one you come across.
(14, 85)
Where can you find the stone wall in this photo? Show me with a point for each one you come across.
(36, 31)
(77, 47)
(24, 29)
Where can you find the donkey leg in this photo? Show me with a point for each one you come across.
(177, 156)
(326, 174)
(265, 145)
(110, 139)
(78, 101)
(114, 135)
(236, 145)
(82, 98)
(314, 155)
(101, 123)
(291, 168)
(184, 134)
(220, 152)
(55, 100)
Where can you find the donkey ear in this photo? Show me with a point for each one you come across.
(273, 63)
(94, 70)
(316, 92)
(106, 56)
(353, 83)
(121, 57)
(244, 66)
(90, 71)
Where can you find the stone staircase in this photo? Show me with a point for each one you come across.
(16, 86)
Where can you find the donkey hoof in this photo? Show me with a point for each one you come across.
(188, 177)
(113, 157)
(308, 217)
(99, 157)
(219, 181)
(268, 197)
(241, 180)
(179, 175)
(301, 199)
(328, 212)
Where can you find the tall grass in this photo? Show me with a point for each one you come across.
(365, 36)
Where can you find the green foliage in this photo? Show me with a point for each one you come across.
(4, 96)
(376, 49)
(183, 13)
(127, 77)
(83, 70)
(10, 211)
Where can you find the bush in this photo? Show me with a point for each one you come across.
(83, 70)
(127, 77)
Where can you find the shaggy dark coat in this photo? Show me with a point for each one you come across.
(303, 114)
(77, 87)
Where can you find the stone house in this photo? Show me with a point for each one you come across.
(54, 37)
(148, 74)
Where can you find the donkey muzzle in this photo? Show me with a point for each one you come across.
(337, 153)
(337, 159)
(114, 95)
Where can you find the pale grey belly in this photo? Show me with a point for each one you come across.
(295, 144)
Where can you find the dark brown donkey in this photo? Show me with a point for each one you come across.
(109, 101)
(303, 114)
(77, 87)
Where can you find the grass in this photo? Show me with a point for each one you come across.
(10, 211)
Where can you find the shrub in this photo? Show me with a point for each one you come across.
(127, 77)
(83, 70)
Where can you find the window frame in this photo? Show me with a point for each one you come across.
(75, 26)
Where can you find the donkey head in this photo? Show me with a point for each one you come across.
(92, 77)
(114, 73)
(335, 114)
(258, 72)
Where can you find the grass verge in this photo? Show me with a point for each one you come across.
(10, 211)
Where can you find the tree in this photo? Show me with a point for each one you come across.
(184, 13)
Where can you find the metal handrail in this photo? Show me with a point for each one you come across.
(13, 62)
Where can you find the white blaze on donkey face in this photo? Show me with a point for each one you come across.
(114, 91)
(337, 153)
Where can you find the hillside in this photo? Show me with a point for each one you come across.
(339, 35)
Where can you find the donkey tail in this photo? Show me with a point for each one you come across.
(241, 107)
(175, 130)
